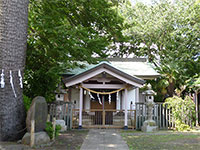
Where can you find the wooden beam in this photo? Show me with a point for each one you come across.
(123, 78)
(103, 86)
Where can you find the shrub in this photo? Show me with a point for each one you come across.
(27, 102)
(49, 129)
(183, 111)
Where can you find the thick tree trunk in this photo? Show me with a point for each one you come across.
(13, 37)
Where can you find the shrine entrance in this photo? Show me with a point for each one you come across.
(103, 97)
(104, 112)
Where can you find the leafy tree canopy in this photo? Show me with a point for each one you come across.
(169, 35)
(62, 32)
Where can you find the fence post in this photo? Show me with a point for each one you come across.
(32, 141)
(157, 121)
(54, 128)
(71, 116)
(136, 119)
(163, 112)
(166, 116)
(104, 117)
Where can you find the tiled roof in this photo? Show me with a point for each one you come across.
(136, 67)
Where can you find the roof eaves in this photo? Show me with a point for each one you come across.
(110, 67)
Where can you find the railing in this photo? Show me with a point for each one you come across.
(161, 115)
(61, 111)
(98, 118)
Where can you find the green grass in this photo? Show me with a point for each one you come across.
(162, 140)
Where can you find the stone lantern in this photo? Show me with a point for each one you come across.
(60, 94)
(149, 125)
(60, 107)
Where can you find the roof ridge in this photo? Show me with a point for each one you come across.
(134, 59)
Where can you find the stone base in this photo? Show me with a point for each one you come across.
(40, 138)
(149, 126)
(62, 124)
(125, 127)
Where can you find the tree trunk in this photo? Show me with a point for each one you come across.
(170, 89)
(13, 42)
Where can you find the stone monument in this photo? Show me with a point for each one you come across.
(38, 112)
(149, 125)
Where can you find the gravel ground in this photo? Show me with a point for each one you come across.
(70, 140)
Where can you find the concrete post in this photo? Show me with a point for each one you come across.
(126, 112)
(80, 108)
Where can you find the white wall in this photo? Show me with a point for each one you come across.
(86, 101)
(118, 101)
(75, 97)
(131, 96)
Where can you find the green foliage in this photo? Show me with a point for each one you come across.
(62, 32)
(27, 102)
(159, 85)
(168, 34)
(183, 111)
(49, 129)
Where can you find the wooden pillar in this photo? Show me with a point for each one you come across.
(80, 108)
(104, 113)
(121, 98)
(126, 111)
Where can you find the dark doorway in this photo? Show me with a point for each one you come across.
(98, 119)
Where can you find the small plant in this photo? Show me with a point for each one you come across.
(27, 102)
(183, 111)
(49, 129)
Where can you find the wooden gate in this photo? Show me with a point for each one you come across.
(98, 118)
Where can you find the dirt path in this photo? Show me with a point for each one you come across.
(70, 140)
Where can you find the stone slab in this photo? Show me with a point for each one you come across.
(104, 139)
(40, 138)
(38, 112)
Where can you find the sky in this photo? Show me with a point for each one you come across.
(144, 1)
